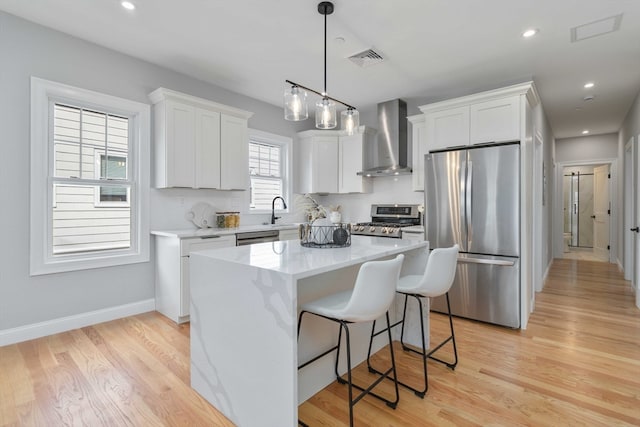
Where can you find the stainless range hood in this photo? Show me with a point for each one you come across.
(388, 154)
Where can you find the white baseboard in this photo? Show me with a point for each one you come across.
(63, 324)
(546, 273)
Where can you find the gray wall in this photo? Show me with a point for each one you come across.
(587, 148)
(630, 128)
(29, 50)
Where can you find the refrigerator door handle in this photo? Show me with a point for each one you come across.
(486, 261)
(468, 201)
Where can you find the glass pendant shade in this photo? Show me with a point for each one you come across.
(295, 104)
(326, 114)
(350, 119)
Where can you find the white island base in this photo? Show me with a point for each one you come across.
(244, 309)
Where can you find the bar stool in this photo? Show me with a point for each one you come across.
(436, 281)
(371, 297)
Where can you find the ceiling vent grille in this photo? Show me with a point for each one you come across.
(366, 58)
(596, 28)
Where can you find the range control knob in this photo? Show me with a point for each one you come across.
(372, 229)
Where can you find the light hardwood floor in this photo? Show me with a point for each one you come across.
(578, 363)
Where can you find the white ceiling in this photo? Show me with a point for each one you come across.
(433, 49)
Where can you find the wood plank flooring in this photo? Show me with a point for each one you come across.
(578, 363)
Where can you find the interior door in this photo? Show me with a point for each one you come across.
(601, 211)
(636, 173)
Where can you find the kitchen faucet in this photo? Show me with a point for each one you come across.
(273, 211)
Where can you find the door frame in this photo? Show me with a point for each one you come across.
(538, 184)
(629, 214)
(558, 216)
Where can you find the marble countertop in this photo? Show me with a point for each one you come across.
(292, 259)
(199, 232)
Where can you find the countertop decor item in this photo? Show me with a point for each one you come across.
(311, 208)
(201, 214)
(295, 99)
(324, 234)
(334, 214)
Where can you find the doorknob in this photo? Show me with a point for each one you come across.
(636, 229)
(593, 216)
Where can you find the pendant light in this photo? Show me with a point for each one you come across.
(295, 97)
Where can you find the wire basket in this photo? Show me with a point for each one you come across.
(325, 236)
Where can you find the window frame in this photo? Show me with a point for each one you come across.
(285, 144)
(44, 94)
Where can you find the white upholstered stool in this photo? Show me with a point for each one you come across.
(372, 295)
(436, 281)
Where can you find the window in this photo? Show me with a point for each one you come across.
(111, 167)
(268, 169)
(89, 179)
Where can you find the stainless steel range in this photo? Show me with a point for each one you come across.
(387, 220)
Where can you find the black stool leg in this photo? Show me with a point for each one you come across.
(451, 338)
(423, 353)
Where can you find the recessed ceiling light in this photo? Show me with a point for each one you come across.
(128, 5)
(588, 98)
(584, 132)
(589, 85)
(530, 33)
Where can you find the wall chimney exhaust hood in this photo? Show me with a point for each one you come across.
(387, 154)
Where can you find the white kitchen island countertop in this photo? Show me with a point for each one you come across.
(293, 259)
(244, 306)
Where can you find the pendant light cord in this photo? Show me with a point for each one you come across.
(325, 54)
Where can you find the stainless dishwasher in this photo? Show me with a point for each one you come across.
(252, 237)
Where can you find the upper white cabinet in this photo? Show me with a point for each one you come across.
(328, 162)
(447, 128)
(493, 116)
(495, 121)
(419, 147)
(350, 162)
(199, 143)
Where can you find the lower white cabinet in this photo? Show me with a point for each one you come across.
(172, 271)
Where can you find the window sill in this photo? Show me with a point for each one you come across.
(78, 263)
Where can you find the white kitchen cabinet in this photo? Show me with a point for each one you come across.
(207, 148)
(419, 147)
(350, 162)
(447, 128)
(492, 116)
(290, 234)
(172, 271)
(328, 162)
(199, 143)
(497, 120)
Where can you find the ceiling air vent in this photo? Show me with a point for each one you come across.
(366, 58)
(596, 28)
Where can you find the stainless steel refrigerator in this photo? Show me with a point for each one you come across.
(472, 198)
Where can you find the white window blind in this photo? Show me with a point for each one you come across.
(266, 174)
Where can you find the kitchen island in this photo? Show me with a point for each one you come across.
(244, 308)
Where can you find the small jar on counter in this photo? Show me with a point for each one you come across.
(227, 219)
